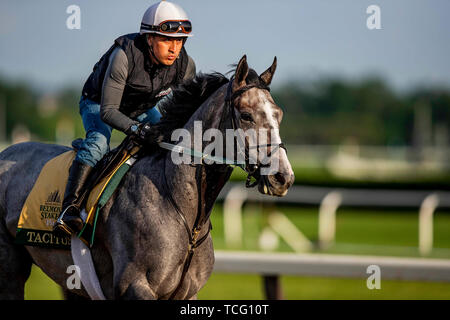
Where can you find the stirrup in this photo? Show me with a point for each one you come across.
(60, 225)
(62, 229)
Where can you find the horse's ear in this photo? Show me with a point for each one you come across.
(240, 74)
(267, 75)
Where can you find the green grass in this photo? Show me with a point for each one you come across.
(41, 287)
(320, 176)
(366, 232)
(244, 286)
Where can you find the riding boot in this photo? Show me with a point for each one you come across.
(69, 221)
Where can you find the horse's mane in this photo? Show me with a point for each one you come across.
(187, 98)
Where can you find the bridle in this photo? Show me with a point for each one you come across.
(252, 170)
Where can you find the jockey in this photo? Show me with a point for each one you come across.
(123, 92)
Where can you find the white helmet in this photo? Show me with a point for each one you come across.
(166, 18)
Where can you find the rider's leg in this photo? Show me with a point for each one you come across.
(92, 149)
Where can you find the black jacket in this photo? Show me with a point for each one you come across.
(145, 80)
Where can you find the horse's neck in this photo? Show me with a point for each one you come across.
(196, 187)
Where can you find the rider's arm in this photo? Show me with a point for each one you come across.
(113, 86)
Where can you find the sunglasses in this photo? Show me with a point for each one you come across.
(171, 26)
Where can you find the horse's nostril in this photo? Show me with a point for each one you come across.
(280, 178)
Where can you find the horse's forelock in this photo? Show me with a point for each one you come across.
(252, 77)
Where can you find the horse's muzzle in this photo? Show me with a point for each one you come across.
(276, 184)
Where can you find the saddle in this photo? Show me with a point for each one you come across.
(44, 202)
(108, 164)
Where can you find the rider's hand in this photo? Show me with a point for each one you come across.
(140, 131)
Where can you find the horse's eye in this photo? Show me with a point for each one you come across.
(246, 116)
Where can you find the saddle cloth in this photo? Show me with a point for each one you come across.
(43, 204)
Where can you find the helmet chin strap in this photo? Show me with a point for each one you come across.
(150, 49)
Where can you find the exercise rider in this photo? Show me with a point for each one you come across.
(122, 93)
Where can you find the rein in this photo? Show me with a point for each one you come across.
(253, 170)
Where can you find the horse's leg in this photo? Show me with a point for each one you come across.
(15, 266)
(138, 289)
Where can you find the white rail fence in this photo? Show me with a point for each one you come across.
(271, 265)
(330, 265)
(235, 195)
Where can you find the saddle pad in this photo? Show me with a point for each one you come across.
(43, 204)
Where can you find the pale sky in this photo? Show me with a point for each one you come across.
(311, 38)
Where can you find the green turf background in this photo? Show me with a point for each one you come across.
(365, 232)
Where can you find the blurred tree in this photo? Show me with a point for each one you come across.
(328, 111)
(332, 111)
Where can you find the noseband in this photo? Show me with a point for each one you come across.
(252, 170)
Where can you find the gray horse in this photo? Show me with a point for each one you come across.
(141, 242)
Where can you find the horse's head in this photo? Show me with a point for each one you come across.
(255, 111)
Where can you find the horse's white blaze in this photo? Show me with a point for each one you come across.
(269, 109)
